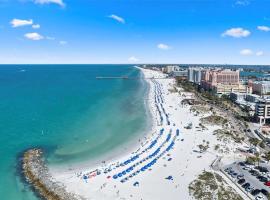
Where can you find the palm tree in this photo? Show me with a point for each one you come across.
(257, 158)
(267, 156)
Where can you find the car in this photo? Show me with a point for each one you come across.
(262, 169)
(241, 164)
(240, 176)
(259, 197)
(255, 173)
(228, 169)
(234, 174)
(265, 192)
(249, 189)
(263, 179)
(255, 192)
(246, 185)
(241, 181)
(267, 183)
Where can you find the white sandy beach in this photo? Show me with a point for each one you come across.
(169, 171)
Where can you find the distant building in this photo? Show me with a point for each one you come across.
(180, 75)
(262, 110)
(261, 87)
(213, 77)
(171, 68)
(228, 88)
(253, 98)
(237, 97)
(195, 75)
(223, 81)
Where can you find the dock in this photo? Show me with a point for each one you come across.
(124, 77)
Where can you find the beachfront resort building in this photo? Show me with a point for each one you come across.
(180, 75)
(261, 87)
(223, 81)
(253, 98)
(195, 75)
(171, 68)
(262, 110)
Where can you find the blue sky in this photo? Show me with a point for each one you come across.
(135, 31)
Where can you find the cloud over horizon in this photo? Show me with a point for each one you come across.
(133, 59)
(263, 28)
(249, 52)
(236, 33)
(242, 2)
(21, 22)
(34, 36)
(117, 18)
(62, 42)
(58, 2)
(163, 46)
(35, 26)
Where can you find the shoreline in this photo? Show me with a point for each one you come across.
(160, 167)
(117, 153)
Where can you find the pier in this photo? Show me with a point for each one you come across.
(124, 77)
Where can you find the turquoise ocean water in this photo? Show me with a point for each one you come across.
(67, 111)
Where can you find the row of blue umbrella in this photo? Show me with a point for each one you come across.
(142, 169)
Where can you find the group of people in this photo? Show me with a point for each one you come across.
(145, 158)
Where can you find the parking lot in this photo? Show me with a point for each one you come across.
(250, 178)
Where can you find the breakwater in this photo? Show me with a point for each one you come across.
(37, 175)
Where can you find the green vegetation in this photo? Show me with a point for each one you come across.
(224, 134)
(254, 141)
(199, 109)
(222, 102)
(210, 186)
(254, 159)
(214, 120)
(262, 144)
(187, 86)
(267, 156)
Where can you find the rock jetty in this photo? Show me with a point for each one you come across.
(37, 175)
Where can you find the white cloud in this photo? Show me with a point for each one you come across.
(133, 59)
(259, 53)
(50, 38)
(263, 28)
(62, 42)
(246, 52)
(21, 22)
(163, 46)
(242, 2)
(59, 2)
(35, 26)
(236, 33)
(249, 52)
(117, 18)
(33, 36)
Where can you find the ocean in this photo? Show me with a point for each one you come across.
(65, 110)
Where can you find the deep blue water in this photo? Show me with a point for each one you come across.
(67, 111)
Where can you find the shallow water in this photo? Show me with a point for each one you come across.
(67, 111)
